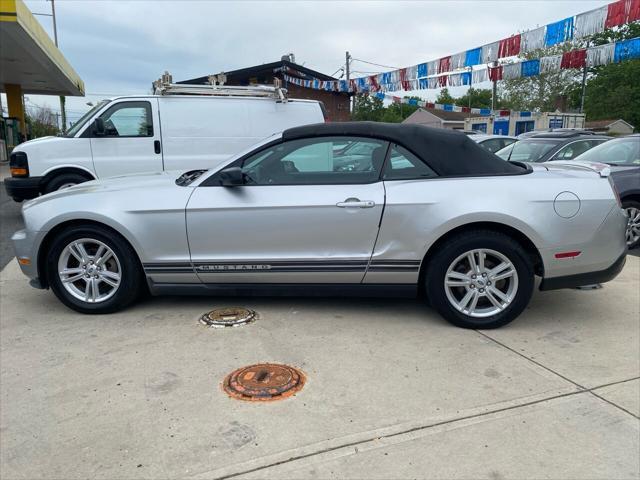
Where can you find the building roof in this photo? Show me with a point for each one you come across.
(422, 115)
(446, 151)
(284, 66)
(605, 123)
(30, 58)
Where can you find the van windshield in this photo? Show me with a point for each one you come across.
(83, 119)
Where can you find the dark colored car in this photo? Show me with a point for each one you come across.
(546, 146)
(623, 154)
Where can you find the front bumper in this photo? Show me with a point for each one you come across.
(22, 188)
(25, 247)
(591, 278)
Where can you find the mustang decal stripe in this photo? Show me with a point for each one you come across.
(285, 266)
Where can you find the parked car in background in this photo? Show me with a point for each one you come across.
(493, 143)
(152, 133)
(574, 130)
(623, 155)
(280, 218)
(543, 147)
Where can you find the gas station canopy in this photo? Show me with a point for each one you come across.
(29, 58)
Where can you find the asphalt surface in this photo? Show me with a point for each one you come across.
(392, 390)
(10, 221)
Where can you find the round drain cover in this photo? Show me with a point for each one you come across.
(228, 317)
(264, 382)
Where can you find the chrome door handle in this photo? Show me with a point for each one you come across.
(356, 203)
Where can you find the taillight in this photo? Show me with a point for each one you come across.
(615, 191)
(18, 164)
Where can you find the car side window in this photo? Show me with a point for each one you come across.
(506, 142)
(404, 165)
(319, 161)
(573, 150)
(493, 145)
(128, 119)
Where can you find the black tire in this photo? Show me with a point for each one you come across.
(131, 281)
(63, 180)
(465, 242)
(632, 204)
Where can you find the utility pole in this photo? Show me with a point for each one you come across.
(63, 112)
(352, 101)
(494, 90)
(584, 84)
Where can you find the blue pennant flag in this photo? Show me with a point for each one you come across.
(531, 68)
(472, 57)
(559, 32)
(627, 50)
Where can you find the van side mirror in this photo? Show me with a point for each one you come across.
(98, 127)
(231, 177)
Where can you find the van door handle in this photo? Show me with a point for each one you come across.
(156, 146)
(356, 203)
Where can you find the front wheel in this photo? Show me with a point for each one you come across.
(62, 181)
(91, 270)
(480, 279)
(632, 208)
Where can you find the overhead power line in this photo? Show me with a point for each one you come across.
(372, 63)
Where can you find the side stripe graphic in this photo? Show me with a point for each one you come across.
(285, 266)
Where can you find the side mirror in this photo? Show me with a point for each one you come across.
(232, 177)
(98, 127)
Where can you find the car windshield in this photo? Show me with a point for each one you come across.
(83, 119)
(621, 151)
(527, 150)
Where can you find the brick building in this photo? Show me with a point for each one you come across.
(336, 103)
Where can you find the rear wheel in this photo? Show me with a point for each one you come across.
(91, 270)
(632, 208)
(480, 279)
(62, 181)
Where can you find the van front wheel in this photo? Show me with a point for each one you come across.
(66, 180)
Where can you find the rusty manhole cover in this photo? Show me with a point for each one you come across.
(264, 382)
(228, 317)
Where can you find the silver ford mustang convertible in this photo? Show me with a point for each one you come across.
(332, 209)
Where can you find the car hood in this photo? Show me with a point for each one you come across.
(625, 168)
(127, 183)
(37, 141)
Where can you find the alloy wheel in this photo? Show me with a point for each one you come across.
(481, 283)
(633, 225)
(89, 270)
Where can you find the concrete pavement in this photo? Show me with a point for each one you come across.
(392, 391)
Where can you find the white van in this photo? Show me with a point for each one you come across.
(149, 133)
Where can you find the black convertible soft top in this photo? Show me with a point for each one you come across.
(447, 152)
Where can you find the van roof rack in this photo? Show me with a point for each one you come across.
(216, 87)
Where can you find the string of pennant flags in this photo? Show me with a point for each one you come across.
(458, 69)
(614, 52)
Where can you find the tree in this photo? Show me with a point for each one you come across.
(475, 98)
(613, 91)
(368, 107)
(541, 92)
(445, 97)
(41, 122)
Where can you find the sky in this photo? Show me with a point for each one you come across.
(120, 47)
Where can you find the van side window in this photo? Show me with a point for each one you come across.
(128, 119)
